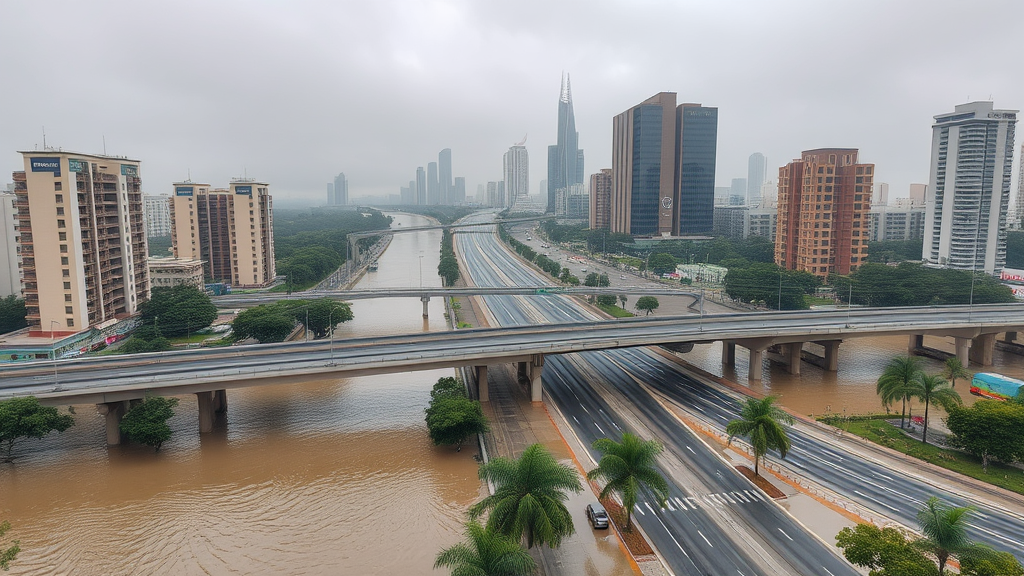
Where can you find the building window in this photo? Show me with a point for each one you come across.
(63, 236)
(59, 198)
(67, 297)
(60, 224)
(63, 248)
(64, 260)
(69, 310)
(67, 285)
(66, 273)
(71, 322)
(58, 185)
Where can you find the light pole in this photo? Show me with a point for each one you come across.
(421, 270)
(330, 320)
(307, 323)
(849, 303)
(53, 350)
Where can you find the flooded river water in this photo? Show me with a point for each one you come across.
(324, 477)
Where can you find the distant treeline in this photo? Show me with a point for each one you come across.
(310, 244)
(443, 214)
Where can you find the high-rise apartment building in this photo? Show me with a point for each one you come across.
(663, 168)
(757, 174)
(738, 192)
(881, 195)
(969, 188)
(896, 223)
(1018, 216)
(459, 191)
(340, 190)
(156, 212)
(10, 266)
(330, 193)
(444, 168)
(516, 163)
(82, 238)
(565, 159)
(421, 186)
(918, 192)
(433, 186)
(601, 200)
(231, 231)
(745, 221)
(823, 214)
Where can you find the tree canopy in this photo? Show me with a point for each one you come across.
(885, 551)
(989, 429)
(761, 422)
(647, 304)
(265, 323)
(452, 419)
(486, 553)
(770, 284)
(662, 263)
(628, 466)
(25, 417)
(12, 314)
(178, 310)
(324, 314)
(912, 284)
(146, 422)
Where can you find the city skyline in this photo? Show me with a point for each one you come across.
(294, 120)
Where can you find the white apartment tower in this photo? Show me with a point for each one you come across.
(969, 188)
(10, 266)
(156, 211)
(517, 175)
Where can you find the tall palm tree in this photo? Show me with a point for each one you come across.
(487, 553)
(529, 497)
(933, 390)
(627, 466)
(954, 369)
(895, 382)
(945, 532)
(761, 422)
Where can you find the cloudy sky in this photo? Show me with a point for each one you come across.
(295, 91)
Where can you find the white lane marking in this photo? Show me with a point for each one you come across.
(678, 545)
(784, 534)
(753, 495)
(691, 450)
(574, 418)
(668, 503)
(637, 506)
(994, 535)
(740, 496)
(705, 538)
(858, 492)
(598, 427)
(648, 504)
(729, 498)
(692, 501)
(827, 570)
(680, 503)
(616, 426)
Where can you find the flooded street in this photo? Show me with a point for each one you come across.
(323, 477)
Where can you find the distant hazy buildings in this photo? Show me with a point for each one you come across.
(881, 195)
(745, 221)
(156, 213)
(433, 186)
(969, 188)
(10, 265)
(444, 173)
(757, 174)
(663, 168)
(918, 192)
(337, 192)
(565, 159)
(601, 199)
(823, 214)
(421, 186)
(902, 221)
(516, 164)
(738, 192)
(231, 231)
(82, 239)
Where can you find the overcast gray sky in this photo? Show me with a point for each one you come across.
(293, 92)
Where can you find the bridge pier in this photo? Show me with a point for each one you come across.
(206, 411)
(536, 383)
(981, 349)
(482, 391)
(755, 371)
(915, 344)
(1010, 337)
(831, 355)
(426, 301)
(793, 358)
(728, 353)
(522, 371)
(220, 401)
(113, 412)
(963, 350)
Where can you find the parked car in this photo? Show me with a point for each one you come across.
(597, 516)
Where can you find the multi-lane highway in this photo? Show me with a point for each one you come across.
(716, 521)
(889, 492)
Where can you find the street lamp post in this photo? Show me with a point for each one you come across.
(330, 320)
(421, 270)
(53, 350)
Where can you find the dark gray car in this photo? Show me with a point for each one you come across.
(597, 515)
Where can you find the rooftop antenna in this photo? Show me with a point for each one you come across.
(189, 174)
(524, 140)
(44, 137)
(104, 144)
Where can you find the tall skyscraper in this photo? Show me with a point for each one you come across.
(969, 188)
(330, 193)
(565, 159)
(516, 164)
(823, 215)
(601, 199)
(340, 190)
(757, 174)
(433, 186)
(444, 166)
(231, 231)
(663, 168)
(421, 186)
(83, 240)
(1019, 206)
(10, 270)
(738, 192)
(156, 211)
(881, 196)
(459, 191)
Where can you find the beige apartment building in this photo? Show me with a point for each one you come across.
(171, 272)
(82, 238)
(231, 231)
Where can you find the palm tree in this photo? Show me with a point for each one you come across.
(487, 553)
(529, 497)
(627, 466)
(945, 532)
(761, 422)
(954, 369)
(933, 390)
(895, 382)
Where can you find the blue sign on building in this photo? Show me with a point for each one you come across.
(183, 190)
(46, 165)
(76, 165)
(129, 170)
(247, 190)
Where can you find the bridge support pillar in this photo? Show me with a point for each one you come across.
(1010, 337)
(206, 411)
(522, 370)
(728, 353)
(426, 301)
(793, 350)
(536, 383)
(755, 371)
(220, 401)
(916, 342)
(482, 392)
(963, 350)
(831, 355)
(981, 349)
(113, 412)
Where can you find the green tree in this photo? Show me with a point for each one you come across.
(647, 304)
(178, 310)
(662, 263)
(7, 555)
(896, 382)
(448, 270)
(992, 564)
(146, 422)
(264, 323)
(447, 386)
(945, 532)
(487, 553)
(606, 299)
(623, 298)
(25, 417)
(12, 314)
(592, 279)
(323, 314)
(885, 551)
(953, 368)
(627, 466)
(452, 419)
(989, 429)
(529, 497)
(603, 280)
(933, 390)
(761, 422)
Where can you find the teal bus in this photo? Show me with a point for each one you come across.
(996, 386)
